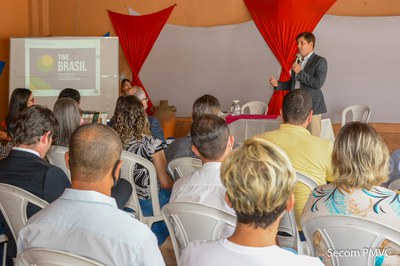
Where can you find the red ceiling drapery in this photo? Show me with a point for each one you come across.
(137, 35)
(279, 22)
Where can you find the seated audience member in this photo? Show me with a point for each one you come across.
(308, 154)
(211, 142)
(259, 181)
(206, 104)
(69, 117)
(85, 220)
(25, 167)
(133, 127)
(360, 165)
(127, 88)
(116, 111)
(21, 99)
(394, 166)
(155, 125)
(70, 93)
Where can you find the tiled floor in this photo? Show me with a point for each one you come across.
(167, 252)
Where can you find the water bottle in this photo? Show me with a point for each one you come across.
(235, 108)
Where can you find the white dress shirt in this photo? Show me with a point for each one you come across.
(224, 252)
(89, 224)
(302, 64)
(202, 186)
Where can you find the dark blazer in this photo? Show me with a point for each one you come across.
(311, 79)
(31, 173)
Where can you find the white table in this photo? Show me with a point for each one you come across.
(327, 130)
(243, 129)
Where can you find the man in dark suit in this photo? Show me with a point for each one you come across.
(25, 167)
(308, 73)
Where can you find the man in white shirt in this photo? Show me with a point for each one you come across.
(85, 220)
(259, 181)
(211, 142)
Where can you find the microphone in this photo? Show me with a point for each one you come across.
(298, 58)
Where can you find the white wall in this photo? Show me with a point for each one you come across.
(233, 62)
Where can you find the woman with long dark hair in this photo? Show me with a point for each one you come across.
(21, 99)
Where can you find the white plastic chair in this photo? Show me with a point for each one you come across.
(129, 160)
(255, 107)
(183, 166)
(13, 203)
(4, 240)
(195, 221)
(47, 257)
(358, 112)
(56, 156)
(346, 233)
(395, 185)
(288, 226)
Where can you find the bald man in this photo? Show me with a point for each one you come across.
(85, 220)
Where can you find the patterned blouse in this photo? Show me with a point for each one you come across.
(145, 148)
(5, 149)
(378, 204)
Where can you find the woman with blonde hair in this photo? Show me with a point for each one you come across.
(360, 163)
(133, 127)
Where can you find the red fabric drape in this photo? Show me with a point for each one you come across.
(137, 35)
(279, 22)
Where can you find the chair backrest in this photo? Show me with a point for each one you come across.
(195, 221)
(13, 203)
(357, 236)
(306, 180)
(395, 185)
(183, 166)
(129, 160)
(255, 107)
(357, 112)
(55, 156)
(288, 235)
(47, 257)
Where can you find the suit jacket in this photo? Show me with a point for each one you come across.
(311, 79)
(33, 174)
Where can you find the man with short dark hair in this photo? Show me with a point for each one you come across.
(309, 155)
(259, 181)
(25, 167)
(211, 142)
(309, 72)
(206, 104)
(85, 220)
(70, 93)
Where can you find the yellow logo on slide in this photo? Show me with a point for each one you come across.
(45, 63)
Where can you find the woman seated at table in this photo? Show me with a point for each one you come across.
(360, 165)
(133, 127)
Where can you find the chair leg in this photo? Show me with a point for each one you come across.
(3, 263)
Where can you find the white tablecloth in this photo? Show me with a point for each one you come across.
(243, 129)
(246, 128)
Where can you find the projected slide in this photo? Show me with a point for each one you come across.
(50, 65)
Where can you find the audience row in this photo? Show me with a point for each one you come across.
(255, 181)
